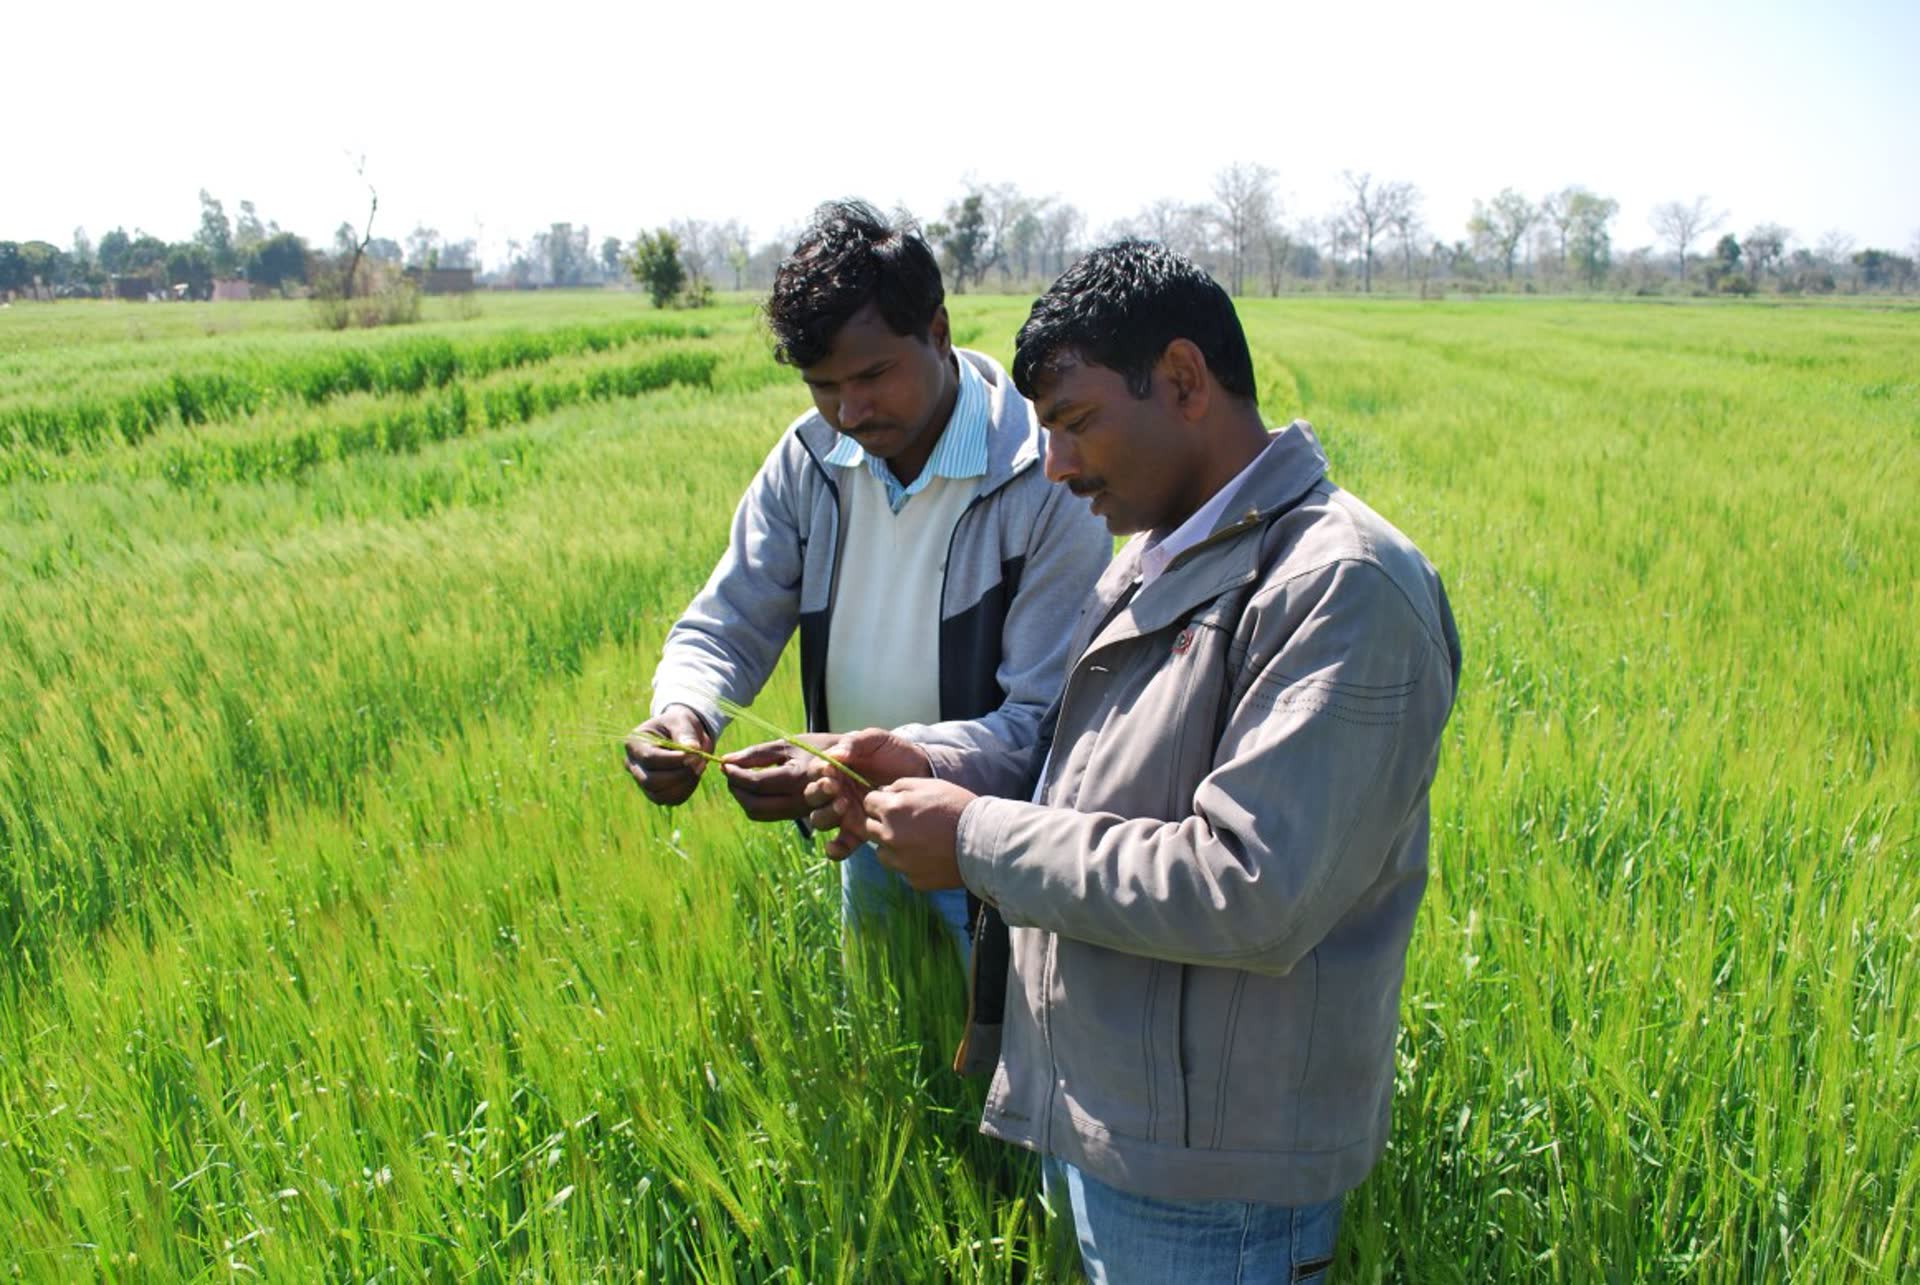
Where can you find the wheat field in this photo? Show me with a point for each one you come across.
(338, 946)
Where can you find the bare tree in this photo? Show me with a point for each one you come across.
(1682, 225)
(699, 242)
(1338, 236)
(1060, 230)
(423, 244)
(1835, 252)
(736, 247)
(366, 236)
(1276, 243)
(1371, 210)
(1025, 237)
(1004, 208)
(1557, 209)
(1407, 228)
(1503, 223)
(1243, 205)
(1179, 227)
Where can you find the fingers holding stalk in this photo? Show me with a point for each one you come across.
(667, 754)
(769, 780)
(835, 801)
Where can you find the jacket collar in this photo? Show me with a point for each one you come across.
(1014, 438)
(1291, 466)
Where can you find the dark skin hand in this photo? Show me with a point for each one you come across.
(838, 802)
(915, 826)
(769, 780)
(667, 777)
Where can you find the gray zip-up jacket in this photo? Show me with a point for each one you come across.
(1211, 906)
(1023, 557)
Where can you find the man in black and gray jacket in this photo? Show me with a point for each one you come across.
(906, 519)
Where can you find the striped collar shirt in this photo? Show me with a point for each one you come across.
(960, 452)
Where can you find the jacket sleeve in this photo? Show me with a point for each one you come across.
(1067, 548)
(1326, 755)
(729, 638)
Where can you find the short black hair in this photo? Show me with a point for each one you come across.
(1120, 307)
(849, 256)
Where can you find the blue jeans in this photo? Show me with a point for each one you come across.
(1126, 1238)
(868, 888)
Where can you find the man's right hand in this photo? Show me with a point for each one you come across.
(835, 799)
(668, 777)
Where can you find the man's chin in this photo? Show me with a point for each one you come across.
(1118, 521)
(881, 443)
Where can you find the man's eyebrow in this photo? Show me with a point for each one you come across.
(1052, 414)
(863, 373)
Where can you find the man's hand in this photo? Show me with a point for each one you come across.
(668, 777)
(835, 798)
(914, 825)
(769, 780)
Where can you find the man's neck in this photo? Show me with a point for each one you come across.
(1238, 445)
(907, 465)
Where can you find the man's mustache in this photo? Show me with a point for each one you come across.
(1083, 487)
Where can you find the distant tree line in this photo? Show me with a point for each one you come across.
(994, 236)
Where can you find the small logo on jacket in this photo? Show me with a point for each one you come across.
(1184, 641)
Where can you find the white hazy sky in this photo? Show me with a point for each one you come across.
(495, 121)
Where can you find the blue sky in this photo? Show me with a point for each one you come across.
(493, 123)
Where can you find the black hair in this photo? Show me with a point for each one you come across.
(1120, 307)
(850, 256)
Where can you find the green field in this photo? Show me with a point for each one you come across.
(337, 945)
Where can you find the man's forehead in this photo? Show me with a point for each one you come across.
(1065, 378)
(861, 340)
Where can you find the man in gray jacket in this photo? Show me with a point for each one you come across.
(1211, 892)
(904, 526)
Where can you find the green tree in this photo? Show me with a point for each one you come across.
(963, 238)
(113, 251)
(1879, 269)
(1723, 267)
(278, 260)
(190, 264)
(1589, 245)
(85, 261)
(44, 264)
(1502, 224)
(216, 235)
(1765, 249)
(147, 257)
(655, 264)
(248, 232)
(13, 267)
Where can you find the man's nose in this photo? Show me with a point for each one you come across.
(855, 410)
(1062, 461)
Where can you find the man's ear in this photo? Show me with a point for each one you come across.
(940, 331)
(1184, 368)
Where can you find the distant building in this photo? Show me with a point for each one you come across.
(442, 280)
(231, 290)
(134, 288)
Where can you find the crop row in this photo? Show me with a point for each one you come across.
(407, 366)
(434, 417)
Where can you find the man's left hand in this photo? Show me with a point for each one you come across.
(914, 825)
(769, 781)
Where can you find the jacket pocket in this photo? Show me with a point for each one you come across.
(1114, 1024)
(1268, 1050)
